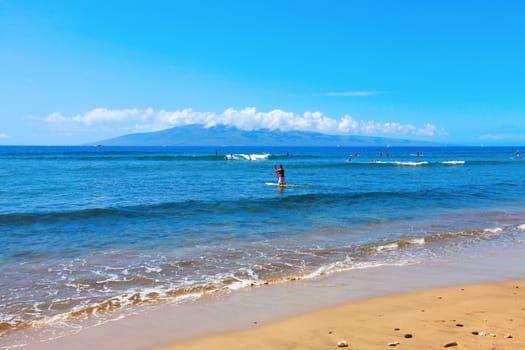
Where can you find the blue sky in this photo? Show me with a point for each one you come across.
(80, 71)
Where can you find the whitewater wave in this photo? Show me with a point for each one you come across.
(283, 267)
(251, 156)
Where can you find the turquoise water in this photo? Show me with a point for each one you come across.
(100, 232)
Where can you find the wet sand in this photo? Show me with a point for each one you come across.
(483, 316)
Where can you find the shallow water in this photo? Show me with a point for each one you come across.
(99, 232)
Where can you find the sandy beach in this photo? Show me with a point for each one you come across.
(481, 316)
(368, 308)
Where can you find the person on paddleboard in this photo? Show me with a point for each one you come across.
(280, 172)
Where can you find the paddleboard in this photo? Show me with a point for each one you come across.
(286, 185)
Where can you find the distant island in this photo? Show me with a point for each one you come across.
(198, 135)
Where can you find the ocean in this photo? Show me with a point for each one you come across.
(91, 234)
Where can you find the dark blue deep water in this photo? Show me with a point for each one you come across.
(89, 232)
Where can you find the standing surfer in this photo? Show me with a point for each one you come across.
(280, 172)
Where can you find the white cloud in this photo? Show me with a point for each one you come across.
(103, 115)
(100, 116)
(185, 117)
(136, 120)
(4, 136)
(55, 118)
(352, 93)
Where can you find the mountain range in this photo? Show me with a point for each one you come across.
(198, 135)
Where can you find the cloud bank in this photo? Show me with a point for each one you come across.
(248, 119)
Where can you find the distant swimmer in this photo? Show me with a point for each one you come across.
(280, 173)
(518, 153)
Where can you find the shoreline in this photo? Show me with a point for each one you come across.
(486, 316)
(164, 325)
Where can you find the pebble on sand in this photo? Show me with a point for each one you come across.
(449, 344)
(342, 344)
(393, 343)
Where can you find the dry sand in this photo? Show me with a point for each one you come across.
(427, 319)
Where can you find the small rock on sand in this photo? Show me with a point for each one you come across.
(508, 336)
(342, 344)
(449, 344)
(393, 343)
